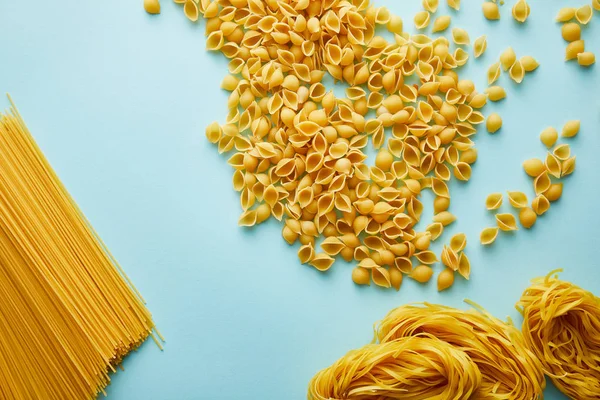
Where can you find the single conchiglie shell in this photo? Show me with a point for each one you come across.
(422, 273)
(534, 167)
(479, 46)
(554, 192)
(441, 23)
(571, 31)
(540, 204)
(566, 14)
(152, 6)
(445, 279)
(521, 11)
(460, 36)
(496, 93)
(361, 276)
(549, 136)
(562, 152)
(493, 201)
(527, 217)
(396, 278)
(517, 72)
(494, 72)
(518, 199)
(190, 9)
(491, 11)
(508, 58)
(596, 5)
(542, 183)
(506, 222)
(529, 63)
(422, 19)
(568, 166)
(571, 129)
(455, 4)
(586, 59)
(488, 236)
(574, 49)
(584, 14)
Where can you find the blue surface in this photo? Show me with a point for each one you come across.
(119, 99)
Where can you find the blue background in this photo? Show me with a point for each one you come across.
(119, 100)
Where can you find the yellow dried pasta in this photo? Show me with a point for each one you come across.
(518, 199)
(529, 63)
(586, 59)
(495, 93)
(540, 204)
(549, 136)
(493, 73)
(479, 46)
(571, 31)
(488, 236)
(508, 58)
(506, 222)
(491, 11)
(517, 72)
(566, 14)
(152, 6)
(584, 14)
(460, 36)
(441, 23)
(422, 19)
(527, 217)
(493, 201)
(571, 129)
(521, 11)
(574, 49)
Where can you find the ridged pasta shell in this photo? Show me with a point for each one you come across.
(422, 273)
(553, 165)
(571, 129)
(435, 229)
(190, 9)
(584, 14)
(479, 46)
(450, 258)
(529, 63)
(568, 166)
(540, 204)
(506, 222)
(443, 172)
(462, 171)
(431, 5)
(534, 167)
(248, 218)
(542, 183)
(488, 236)
(306, 253)
(322, 262)
(381, 277)
(445, 218)
(458, 242)
(517, 72)
(508, 58)
(521, 11)
(426, 257)
(440, 188)
(562, 152)
(464, 266)
(518, 199)
(460, 36)
(422, 19)
(332, 245)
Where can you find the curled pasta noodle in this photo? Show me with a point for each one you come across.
(422, 367)
(479, 46)
(508, 369)
(561, 325)
(488, 236)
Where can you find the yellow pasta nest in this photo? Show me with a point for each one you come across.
(562, 327)
(409, 368)
(298, 151)
(508, 369)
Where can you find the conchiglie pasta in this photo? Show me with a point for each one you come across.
(460, 36)
(496, 93)
(540, 204)
(494, 72)
(491, 10)
(479, 46)
(518, 199)
(584, 14)
(517, 72)
(508, 58)
(422, 19)
(506, 222)
(493, 201)
(488, 236)
(521, 10)
(441, 23)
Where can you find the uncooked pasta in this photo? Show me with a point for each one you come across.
(508, 369)
(562, 327)
(69, 314)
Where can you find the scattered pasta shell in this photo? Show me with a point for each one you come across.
(574, 49)
(332, 245)
(361, 276)
(395, 24)
(493, 72)
(566, 14)
(534, 167)
(508, 58)
(493, 201)
(445, 279)
(450, 258)
(529, 63)
(422, 19)
(562, 152)
(527, 217)
(441, 23)
(571, 129)
(488, 236)
(248, 218)
(549, 136)
(422, 273)
(190, 9)
(496, 93)
(491, 11)
(445, 218)
(152, 6)
(458, 242)
(571, 31)
(322, 262)
(584, 14)
(540, 204)
(518, 199)
(306, 253)
(586, 59)
(462, 171)
(521, 11)
(480, 46)
(460, 36)
(455, 4)
(568, 166)
(553, 165)
(396, 278)
(517, 72)
(554, 192)
(506, 222)
(381, 277)
(542, 183)
(464, 266)
(493, 123)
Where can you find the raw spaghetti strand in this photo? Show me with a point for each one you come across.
(562, 327)
(411, 368)
(509, 370)
(69, 314)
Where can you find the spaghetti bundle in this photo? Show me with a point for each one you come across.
(68, 314)
(412, 368)
(562, 327)
(509, 370)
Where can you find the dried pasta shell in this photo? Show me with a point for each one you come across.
(553, 165)
(332, 245)
(574, 49)
(248, 218)
(322, 262)
(540, 204)
(517, 72)
(435, 229)
(381, 277)
(586, 59)
(571, 129)
(491, 11)
(562, 152)
(422, 19)
(152, 6)
(422, 273)
(464, 266)
(488, 236)
(566, 14)
(361, 276)
(529, 63)
(568, 166)
(455, 4)
(431, 5)
(479, 46)
(506, 222)
(521, 11)
(527, 217)
(306, 253)
(458, 242)
(404, 264)
(445, 279)
(518, 199)
(534, 167)
(441, 23)
(584, 14)
(495, 93)
(190, 10)
(493, 201)
(596, 5)
(396, 278)
(549, 136)
(450, 258)
(508, 58)
(445, 218)
(440, 188)
(542, 183)
(493, 72)
(462, 171)
(554, 192)
(460, 36)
